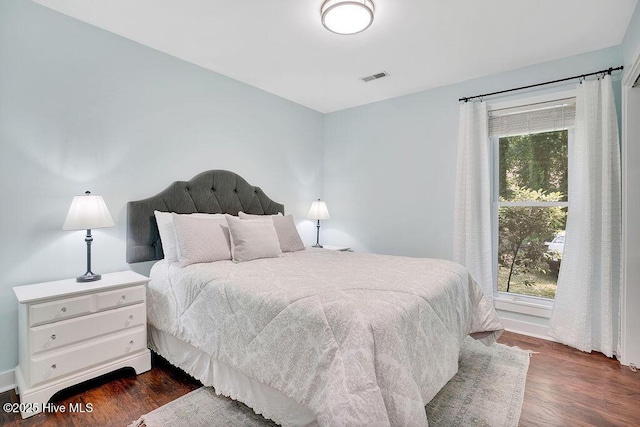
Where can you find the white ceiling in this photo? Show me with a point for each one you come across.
(280, 46)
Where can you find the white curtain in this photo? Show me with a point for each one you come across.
(586, 308)
(472, 218)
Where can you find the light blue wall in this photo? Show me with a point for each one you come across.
(631, 42)
(390, 166)
(81, 108)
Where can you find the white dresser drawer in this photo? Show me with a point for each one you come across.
(58, 310)
(51, 365)
(120, 297)
(59, 334)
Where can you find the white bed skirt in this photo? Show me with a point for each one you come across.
(263, 399)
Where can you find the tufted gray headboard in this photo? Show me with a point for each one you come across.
(215, 191)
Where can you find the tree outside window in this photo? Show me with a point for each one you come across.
(532, 209)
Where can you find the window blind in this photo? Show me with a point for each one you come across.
(533, 118)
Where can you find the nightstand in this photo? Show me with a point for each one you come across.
(70, 332)
(337, 248)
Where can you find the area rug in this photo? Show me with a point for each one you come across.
(488, 390)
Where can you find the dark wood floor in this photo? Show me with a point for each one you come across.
(118, 398)
(565, 387)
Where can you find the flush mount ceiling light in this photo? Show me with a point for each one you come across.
(347, 16)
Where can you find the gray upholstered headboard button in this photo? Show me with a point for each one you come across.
(215, 191)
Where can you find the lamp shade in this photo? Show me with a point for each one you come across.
(318, 210)
(347, 16)
(88, 212)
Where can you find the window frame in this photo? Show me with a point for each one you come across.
(519, 303)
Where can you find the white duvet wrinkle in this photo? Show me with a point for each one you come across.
(166, 274)
(396, 361)
(192, 280)
(241, 331)
(376, 367)
(193, 289)
(445, 297)
(264, 307)
(162, 306)
(351, 332)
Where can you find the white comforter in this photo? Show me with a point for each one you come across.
(359, 339)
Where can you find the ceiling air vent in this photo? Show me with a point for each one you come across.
(374, 76)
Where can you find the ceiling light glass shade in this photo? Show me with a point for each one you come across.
(318, 210)
(347, 16)
(88, 212)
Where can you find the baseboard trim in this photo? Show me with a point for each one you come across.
(7, 380)
(526, 328)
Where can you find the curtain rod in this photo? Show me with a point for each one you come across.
(581, 76)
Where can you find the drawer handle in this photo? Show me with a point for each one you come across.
(53, 337)
(131, 342)
(52, 371)
(129, 319)
(61, 313)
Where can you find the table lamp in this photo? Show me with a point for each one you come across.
(318, 211)
(86, 213)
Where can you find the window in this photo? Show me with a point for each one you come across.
(530, 206)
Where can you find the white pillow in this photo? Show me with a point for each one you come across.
(286, 230)
(252, 239)
(168, 232)
(167, 235)
(201, 239)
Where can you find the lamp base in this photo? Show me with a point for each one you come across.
(88, 277)
(317, 245)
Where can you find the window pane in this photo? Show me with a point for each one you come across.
(534, 162)
(530, 246)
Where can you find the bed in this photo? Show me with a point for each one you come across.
(312, 337)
